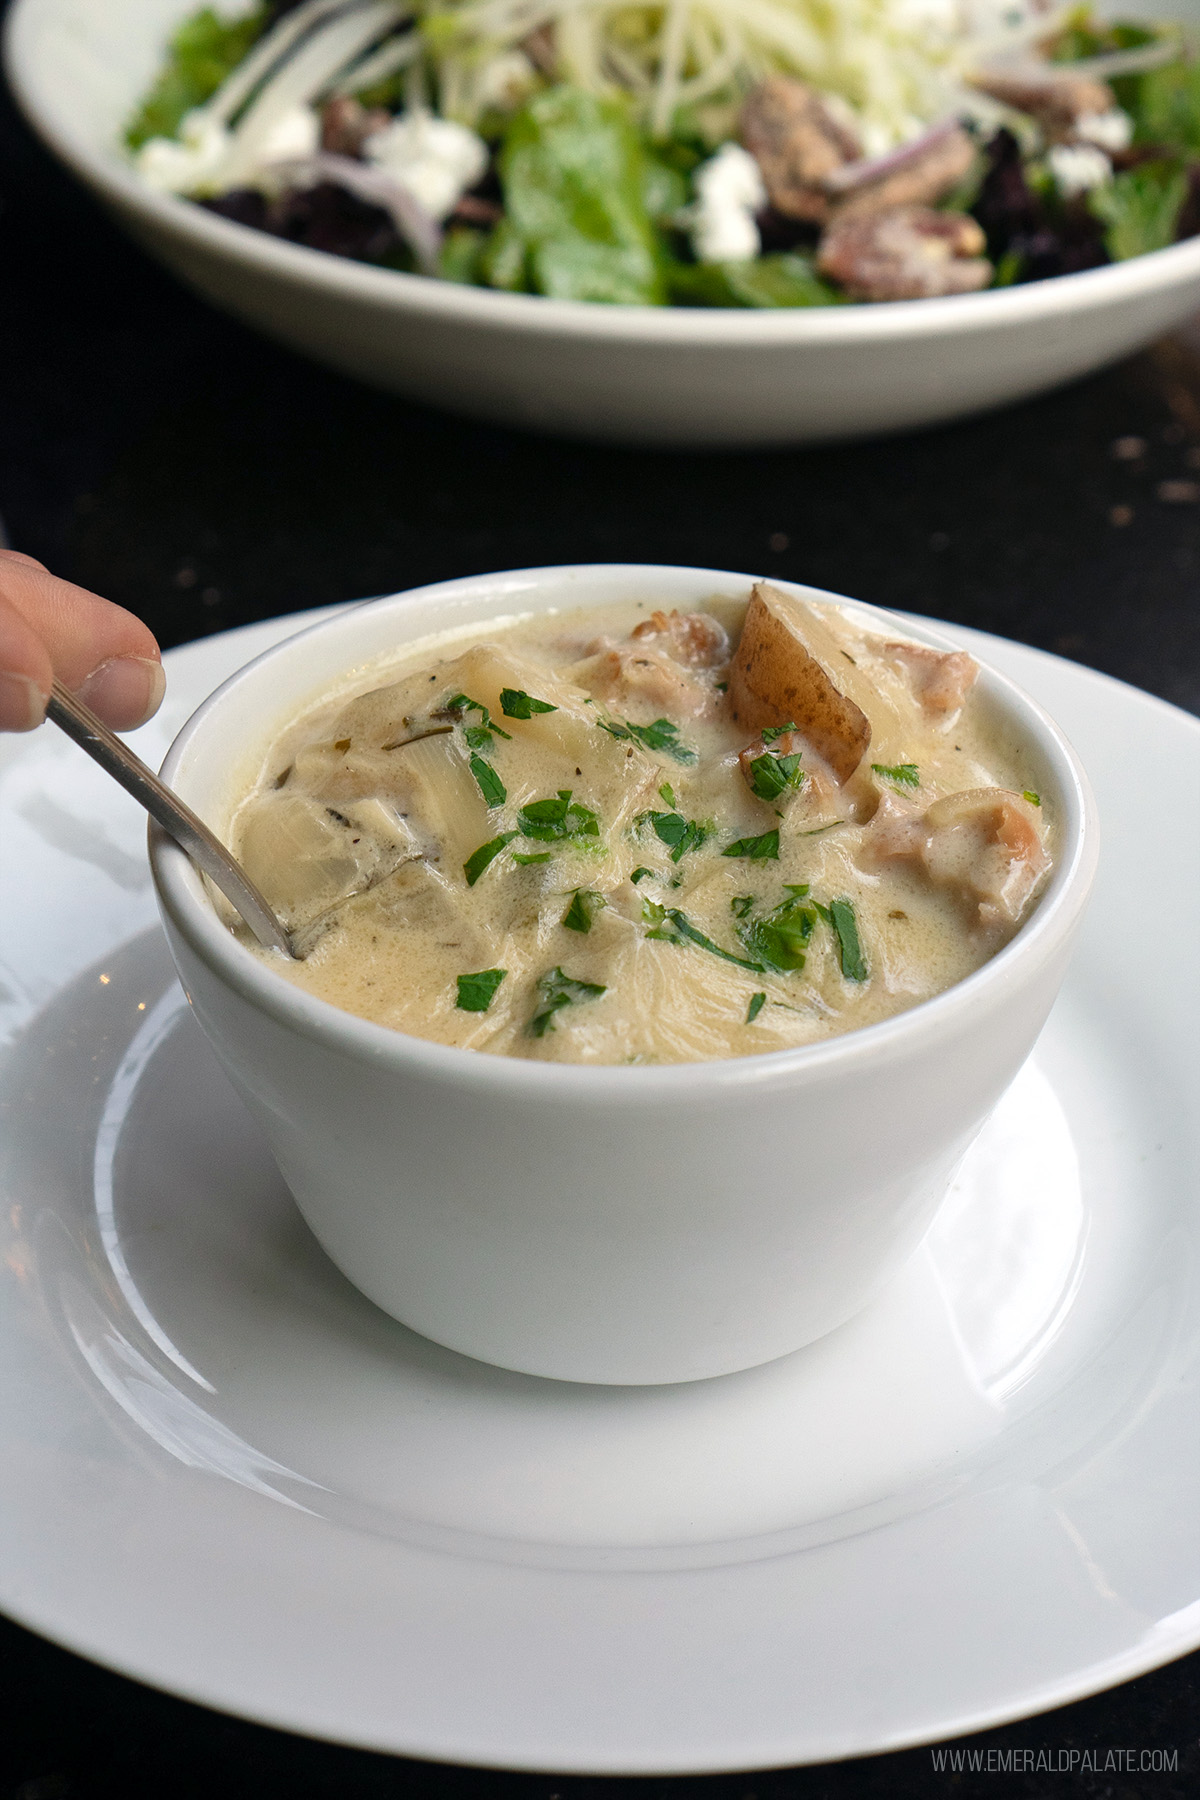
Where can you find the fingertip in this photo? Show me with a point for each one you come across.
(19, 556)
(22, 702)
(157, 690)
(125, 691)
(25, 672)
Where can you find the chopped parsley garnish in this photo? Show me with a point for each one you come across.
(489, 783)
(664, 736)
(758, 849)
(640, 874)
(741, 905)
(462, 703)
(487, 853)
(902, 774)
(556, 990)
(661, 735)
(479, 737)
(780, 939)
(770, 775)
(679, 834)
(840, 914)
(667, 792)
(669, 827)
(515, 703)
(1033, 799)
(585, 904)
(757, 1002)
(539, 856)
(476, 992)
(674, 927)
(550, 820)
(771, 733)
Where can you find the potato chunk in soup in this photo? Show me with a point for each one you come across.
(631, 836)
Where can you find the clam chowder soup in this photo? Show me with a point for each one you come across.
(630, 836)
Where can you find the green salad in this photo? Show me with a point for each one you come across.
(732, 153)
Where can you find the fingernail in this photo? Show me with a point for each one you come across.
(22, 703)
(125, 691)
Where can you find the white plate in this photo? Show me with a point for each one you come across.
(227, 1474)
(651, 374)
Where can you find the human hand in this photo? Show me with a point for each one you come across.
(51, 628)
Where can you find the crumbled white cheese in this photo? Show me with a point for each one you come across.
(1110, 130)
(190, 164)
(295, 133)
(729, 191)
(195, 163)
(1077, 168)
(435, 159)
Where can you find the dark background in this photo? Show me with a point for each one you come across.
(165, 457)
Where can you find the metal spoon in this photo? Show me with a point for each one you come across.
(166, 809)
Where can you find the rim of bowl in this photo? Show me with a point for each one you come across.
(184, 897)
(47, 106)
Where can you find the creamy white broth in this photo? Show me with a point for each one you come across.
(623, 930)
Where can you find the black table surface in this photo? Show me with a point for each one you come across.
(166, 457)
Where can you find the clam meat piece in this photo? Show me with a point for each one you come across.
(941, 679)
(898, 832)
(667, 666)
(643, 682)
(695, 639)
(983, 845)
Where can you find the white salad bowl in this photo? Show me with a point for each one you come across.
(628, 373)
(603, 1224)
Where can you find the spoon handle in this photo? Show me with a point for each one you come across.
(166, 809)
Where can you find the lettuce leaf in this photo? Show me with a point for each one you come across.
(1164, 105)
(575, 180)
(1140, 209)
(779, 280)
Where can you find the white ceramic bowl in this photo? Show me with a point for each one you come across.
(644, 374)
(625, 1225)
